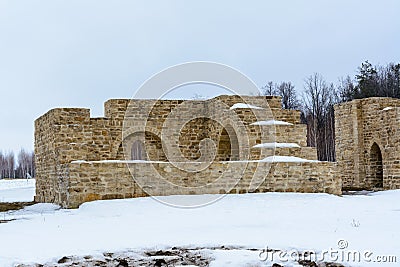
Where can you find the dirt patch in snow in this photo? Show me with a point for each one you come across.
(6, 206)
(189, 257)
(170, 257)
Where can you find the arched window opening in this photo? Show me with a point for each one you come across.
(376, 167)
(228, 145)
(137, 151)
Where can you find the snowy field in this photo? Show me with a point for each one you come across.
(288, 222)
(17, 190)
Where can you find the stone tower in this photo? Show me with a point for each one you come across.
(368, 143)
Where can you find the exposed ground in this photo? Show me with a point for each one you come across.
(7, 206)
(196, 257)
(171, 257)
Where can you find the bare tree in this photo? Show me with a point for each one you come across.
(9, 164)
(26, 164)
(23, 163)
(388, 80)
(31, 165)
(285, 90)
(23, 168)
(289, 96)
(319, 99)
(345, 89)
(269, 89)
(2, 165)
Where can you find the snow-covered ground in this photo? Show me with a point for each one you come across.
(17, 190)
(283, 221)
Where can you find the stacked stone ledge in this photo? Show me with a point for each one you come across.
(81, 159)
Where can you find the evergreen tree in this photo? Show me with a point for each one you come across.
(367, 81)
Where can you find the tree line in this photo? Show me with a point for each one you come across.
(315, 103)
(22, 166)
(319, 97)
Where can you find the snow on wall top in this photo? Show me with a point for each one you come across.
(276, 145)
(286, 159)
(271, 122)
(243, 105)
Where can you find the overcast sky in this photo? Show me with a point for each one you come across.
(79, 53)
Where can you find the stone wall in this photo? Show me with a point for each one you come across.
(80, 158)
(368, 143)
(108, 180)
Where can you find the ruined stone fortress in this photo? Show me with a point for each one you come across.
(202, 150)
(368, 143)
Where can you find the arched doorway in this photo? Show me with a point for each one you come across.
(143, 146)
(228, 145)
(137, 151)
(376, 167)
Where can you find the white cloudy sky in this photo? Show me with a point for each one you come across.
(80, 53)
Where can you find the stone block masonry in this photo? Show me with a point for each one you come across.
(82, 159)
(368, 143)
(109, 180)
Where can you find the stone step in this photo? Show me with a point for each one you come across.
(251, 115)
(295, 133)
(300, 152)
